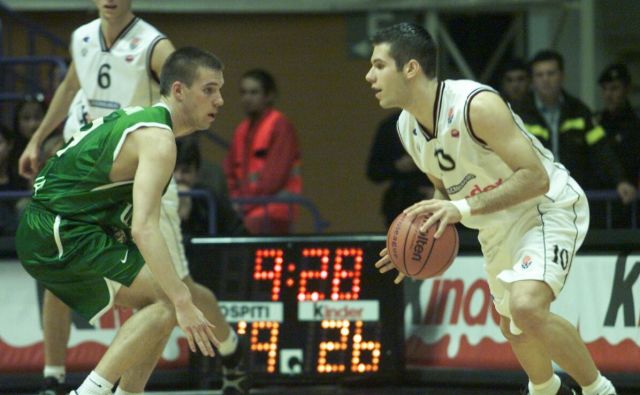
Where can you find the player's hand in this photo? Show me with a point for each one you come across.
(29, 162)
(384, 265)
(627, 192)
(441, 211)
(197, 328)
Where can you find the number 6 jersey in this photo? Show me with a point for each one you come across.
(116, 77)
(464, 163)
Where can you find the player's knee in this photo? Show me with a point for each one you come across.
(527, 315)
(165, 316)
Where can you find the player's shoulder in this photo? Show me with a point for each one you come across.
(405, 122)
(146, 27)
(87, 29)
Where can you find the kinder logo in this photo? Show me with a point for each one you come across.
(252, 311)
(471, 303)
(526, 262)
(478, 189)
(622, 294)
(360, 310)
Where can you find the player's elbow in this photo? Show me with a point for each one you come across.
(141, 231)
(540, 180)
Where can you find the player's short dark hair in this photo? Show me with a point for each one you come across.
(183, 65)
(410, 41)
(265, 79)
(546, 55)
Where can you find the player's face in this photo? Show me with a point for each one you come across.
(113, 9)
(515, 84)
(252, 96)
(547, 79)
(385, 79)
(614, 95)
(203, 98)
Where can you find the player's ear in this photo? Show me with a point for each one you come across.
(411, 68)
(177, 90)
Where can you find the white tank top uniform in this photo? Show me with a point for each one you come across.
(116, 77)
(533, 240)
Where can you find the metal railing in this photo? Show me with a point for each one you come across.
(320, 224)
(33, 30)
(30, 80)
(610, 197)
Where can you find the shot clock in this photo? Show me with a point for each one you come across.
(308, 307)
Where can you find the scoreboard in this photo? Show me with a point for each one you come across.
(309, 308)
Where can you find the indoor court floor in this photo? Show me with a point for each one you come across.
(329, 390)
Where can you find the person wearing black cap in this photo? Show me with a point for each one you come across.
(622, 125)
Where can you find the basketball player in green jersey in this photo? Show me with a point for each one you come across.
(116, 61)
(105, 183)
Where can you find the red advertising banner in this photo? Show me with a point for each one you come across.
(450, 321)
(21, 348)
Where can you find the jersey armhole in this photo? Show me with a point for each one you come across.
(467, 118)
(133, 128)
(152, 47)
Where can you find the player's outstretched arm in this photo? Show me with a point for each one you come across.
(493, 123)
(29, 163)
(155, 166)
(160, 53)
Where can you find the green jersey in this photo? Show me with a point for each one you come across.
(74, 183)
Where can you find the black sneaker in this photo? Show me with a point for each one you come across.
(51, 386)
(235, 376)
(564, 390)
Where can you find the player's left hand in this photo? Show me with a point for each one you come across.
(441, 211)
(384, 265)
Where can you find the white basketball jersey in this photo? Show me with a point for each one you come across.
(77, 116)
(464, 163)
(119, 76)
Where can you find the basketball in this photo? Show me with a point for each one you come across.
(418, 254)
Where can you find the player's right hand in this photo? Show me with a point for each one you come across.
(384, 265)
(197, 328)
(29, 162)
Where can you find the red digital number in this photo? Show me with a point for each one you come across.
(270, 346)
(359, 346)
(275, 274)
(340, 273)
(305, 275)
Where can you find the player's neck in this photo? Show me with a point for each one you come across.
(111, 28)
(422, 101)
(179, 123)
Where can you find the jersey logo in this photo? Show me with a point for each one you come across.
(445, 161)
(126, 254)
(129, 58)
(134, 43)
(455, 133)
(459, 186)
(450, 115)
(86, 39)
(478, 189)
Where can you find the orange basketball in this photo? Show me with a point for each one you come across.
(418, 254)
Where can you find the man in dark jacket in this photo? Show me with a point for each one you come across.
(565, 125)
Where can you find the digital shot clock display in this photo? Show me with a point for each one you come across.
(308, 307)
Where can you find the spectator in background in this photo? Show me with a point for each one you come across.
(28, 115)
(622, 125)
(194, 211)
(264, 158)
(8, 182)
(565, 125)
(388, 161)
(515, 82)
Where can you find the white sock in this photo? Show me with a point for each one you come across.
(57, 372)
(120, 391)
(95, 384)
(601, 386)
(549, 387)
(229, 345)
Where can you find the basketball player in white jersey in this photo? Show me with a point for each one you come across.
(493, 176)
(116, 62)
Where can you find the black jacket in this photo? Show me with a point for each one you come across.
(584, 148)
(623, 132)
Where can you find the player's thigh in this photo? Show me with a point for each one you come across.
(143, 291)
